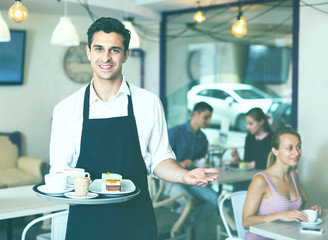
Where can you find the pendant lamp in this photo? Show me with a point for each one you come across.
(65, 34)
(4, 30)
(134, 40)
(18, 12)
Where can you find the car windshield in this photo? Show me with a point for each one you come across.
(250, 94)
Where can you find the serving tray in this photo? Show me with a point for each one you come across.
(101, 199)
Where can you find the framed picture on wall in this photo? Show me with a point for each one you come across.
(12, 56)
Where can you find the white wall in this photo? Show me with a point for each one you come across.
(28, 108)
(313, 98)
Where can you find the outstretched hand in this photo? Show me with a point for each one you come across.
(198, 176)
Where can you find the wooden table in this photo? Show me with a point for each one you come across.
(22, 201)
(289, 230)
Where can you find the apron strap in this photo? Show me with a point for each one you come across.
(86, 103)
(87, 100)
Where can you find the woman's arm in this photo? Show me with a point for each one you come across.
(255, 195)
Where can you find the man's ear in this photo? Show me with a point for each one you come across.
(87, 49)
(126, 55)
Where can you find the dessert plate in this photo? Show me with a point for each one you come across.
(128, 187)
(43, 189)
(312, 224)
(73, 195)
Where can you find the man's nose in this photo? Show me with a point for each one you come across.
(106, 56)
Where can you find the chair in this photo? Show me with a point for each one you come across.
(17, 170)
(58, 226)
(171, 224)
(237, 203)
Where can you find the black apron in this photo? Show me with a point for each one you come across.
(112, 145)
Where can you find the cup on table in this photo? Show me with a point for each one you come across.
(81, 186)
(55, 182)
(312, 215)
(74, 172)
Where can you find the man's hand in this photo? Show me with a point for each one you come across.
(198, 176)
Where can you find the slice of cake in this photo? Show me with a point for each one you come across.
(111, 182)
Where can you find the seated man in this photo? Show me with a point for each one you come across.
(189, 144)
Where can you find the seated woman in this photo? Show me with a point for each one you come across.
(276, 193)
(258, 139)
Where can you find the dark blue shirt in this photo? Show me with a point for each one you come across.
(257, 150)
(185, 144)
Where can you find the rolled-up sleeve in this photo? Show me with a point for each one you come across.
(152, 131)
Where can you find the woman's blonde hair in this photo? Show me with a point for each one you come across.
(275, 142)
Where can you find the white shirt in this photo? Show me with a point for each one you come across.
(150, 119)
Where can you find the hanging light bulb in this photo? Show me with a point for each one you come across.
(18, 12)
(65, 34)
(199, 17)
(134, 40)
(239, 28)
(4, 30)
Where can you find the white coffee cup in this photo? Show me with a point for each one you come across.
(75, 172)
(312, 215)
(55, 182)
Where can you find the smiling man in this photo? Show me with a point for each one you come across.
(112, 126)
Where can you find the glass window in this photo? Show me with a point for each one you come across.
(247, 72)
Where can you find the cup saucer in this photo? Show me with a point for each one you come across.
(311, 224)
(45, 190)
(73, 195)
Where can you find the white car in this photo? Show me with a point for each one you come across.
(229, 101)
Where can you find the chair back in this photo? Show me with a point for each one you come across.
(156, 188)
(237, 202)
(58, 225)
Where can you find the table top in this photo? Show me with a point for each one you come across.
(218, 147)
(290, 230)
(22, 201)
(233, 175)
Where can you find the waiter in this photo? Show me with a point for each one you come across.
(113, 126)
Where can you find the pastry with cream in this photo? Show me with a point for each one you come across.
(111, 182)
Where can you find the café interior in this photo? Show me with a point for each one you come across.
(171, 53)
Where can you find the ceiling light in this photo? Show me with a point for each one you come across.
(239, 28)
(199, 17)
(65, 34)
(4, 30)
(134, 40)
(18, 12)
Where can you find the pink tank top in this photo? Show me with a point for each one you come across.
(277, 203)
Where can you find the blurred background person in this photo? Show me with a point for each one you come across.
(258, 140)
(190, 144)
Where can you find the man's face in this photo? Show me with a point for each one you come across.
(203, 118)
(107, 55)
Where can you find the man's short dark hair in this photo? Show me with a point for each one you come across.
(109, 25)
(201, 107)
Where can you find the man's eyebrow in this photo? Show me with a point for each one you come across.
(97, 46)
(100, 46)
